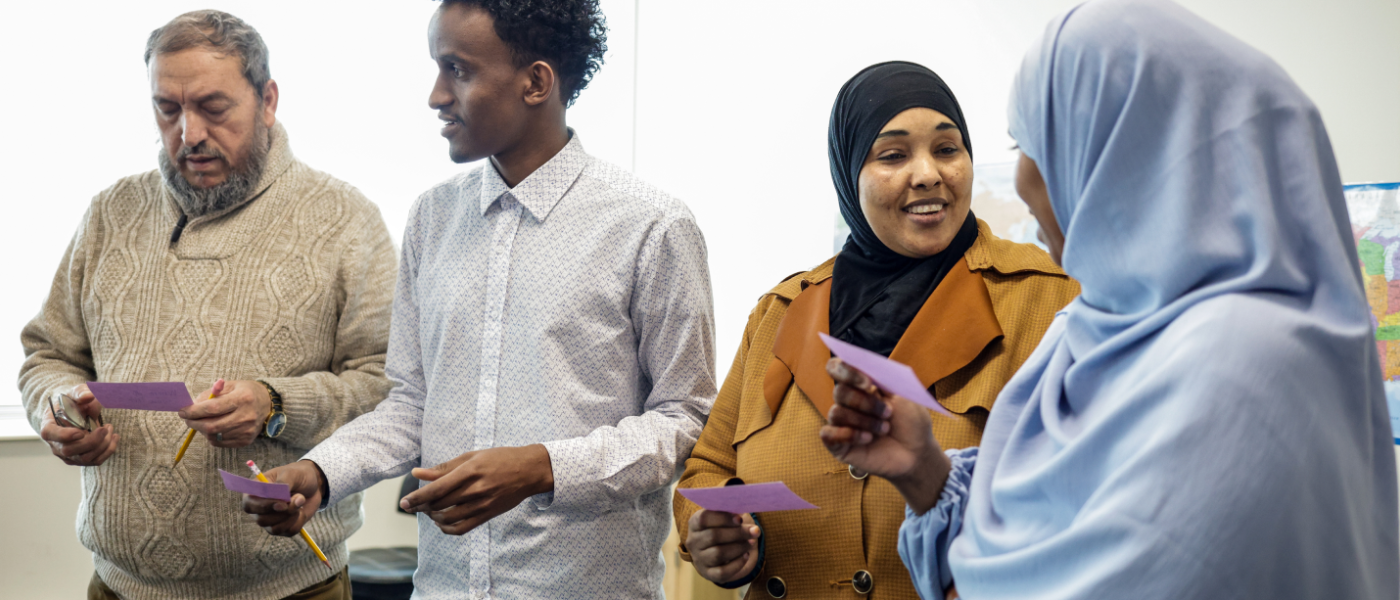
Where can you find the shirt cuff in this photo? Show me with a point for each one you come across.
(337, 473)
(576, 485)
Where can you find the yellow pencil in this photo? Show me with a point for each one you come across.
(218, 387)
(304, 535)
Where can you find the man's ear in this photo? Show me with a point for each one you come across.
(269, 105)
(543, 84)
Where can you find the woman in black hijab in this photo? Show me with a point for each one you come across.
(879, 284)
(920, 280)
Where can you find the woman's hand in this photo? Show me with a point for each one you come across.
(723, 546)
(884, 435)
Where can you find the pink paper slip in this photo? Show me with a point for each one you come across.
(168, 396)
(253, 487)
(892, 377)
(739, 499)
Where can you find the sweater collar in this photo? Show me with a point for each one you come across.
(541, 191)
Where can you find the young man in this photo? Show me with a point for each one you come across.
(552, 341)
(232, 260)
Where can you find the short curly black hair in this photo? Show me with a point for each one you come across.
(570, 35)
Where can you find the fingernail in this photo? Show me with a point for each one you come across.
(753, 530)
(865, 437)
(888, 411)
(279, 507)
(737, 519)
(884, 427)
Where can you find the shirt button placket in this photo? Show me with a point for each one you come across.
(497, 284)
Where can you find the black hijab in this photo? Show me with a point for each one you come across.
(876, 292)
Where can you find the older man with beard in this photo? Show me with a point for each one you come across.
(234, 261)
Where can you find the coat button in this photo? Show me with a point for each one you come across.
(863, 582)
(857, 473)
(776, 587)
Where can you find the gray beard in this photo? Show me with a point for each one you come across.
(197, 201)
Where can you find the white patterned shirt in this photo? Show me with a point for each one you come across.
(573, 310)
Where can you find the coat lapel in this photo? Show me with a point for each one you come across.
(955, 324)
(951, 329)
(799, 355)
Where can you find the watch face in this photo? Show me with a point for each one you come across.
(276, 424)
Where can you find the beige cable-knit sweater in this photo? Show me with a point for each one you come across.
(293, 286)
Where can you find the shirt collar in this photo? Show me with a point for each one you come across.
(542, 189)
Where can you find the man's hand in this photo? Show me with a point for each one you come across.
(287, 518)
(884, 435)
(475, 487)
(723, 546)
(74, 446)
(234, 418)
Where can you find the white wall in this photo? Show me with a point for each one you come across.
(723, 103)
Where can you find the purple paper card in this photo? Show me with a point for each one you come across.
(169, 396)
(253, 487)
(738, 499)
(892, 377)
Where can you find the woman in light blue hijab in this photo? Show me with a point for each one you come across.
(1207, 420)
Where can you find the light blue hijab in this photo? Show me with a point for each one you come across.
(1207, 420)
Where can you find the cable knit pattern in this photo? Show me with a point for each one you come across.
(292, 286)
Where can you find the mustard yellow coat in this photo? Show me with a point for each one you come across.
(971, 335)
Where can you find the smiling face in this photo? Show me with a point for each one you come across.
(208, 114)
(479, 89)
(916, 183)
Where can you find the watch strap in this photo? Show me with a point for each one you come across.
(276, 406)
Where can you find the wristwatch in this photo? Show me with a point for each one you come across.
(276, 419)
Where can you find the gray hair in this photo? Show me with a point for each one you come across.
(219, 32)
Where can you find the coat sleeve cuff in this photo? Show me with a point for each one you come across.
(924, 539)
